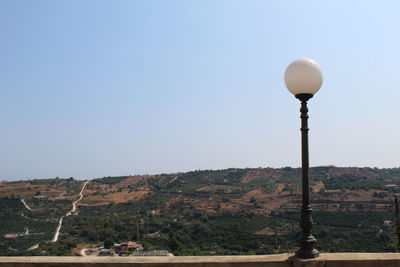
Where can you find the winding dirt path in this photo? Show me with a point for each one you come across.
(33, 247)
(26, 205)
(55, 238)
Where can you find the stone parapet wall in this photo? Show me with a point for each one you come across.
(281, 260)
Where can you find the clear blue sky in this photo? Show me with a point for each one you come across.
(96, 88)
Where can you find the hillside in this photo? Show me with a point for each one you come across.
(232, 211)
(259, 190)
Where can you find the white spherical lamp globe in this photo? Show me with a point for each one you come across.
(303, 76)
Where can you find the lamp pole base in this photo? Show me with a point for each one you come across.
(307, 254)
(306, 250)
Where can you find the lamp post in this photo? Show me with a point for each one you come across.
(303, 78)
(397, 220)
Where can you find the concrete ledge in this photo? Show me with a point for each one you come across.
(280, 260)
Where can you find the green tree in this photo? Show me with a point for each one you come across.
(173, 244)
(108, 243)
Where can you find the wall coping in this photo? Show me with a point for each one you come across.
(284, 260)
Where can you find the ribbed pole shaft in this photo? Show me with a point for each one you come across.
(304, 154)
(306, 240)
(397, 221)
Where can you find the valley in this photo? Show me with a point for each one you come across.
(209, 212)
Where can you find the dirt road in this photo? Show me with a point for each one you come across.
(55, 238)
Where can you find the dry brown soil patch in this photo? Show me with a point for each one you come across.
(267, 231)
(117, 197)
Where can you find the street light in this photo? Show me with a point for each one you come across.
(303, 78)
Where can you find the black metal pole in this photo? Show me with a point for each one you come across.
(306, 240)
(397, 221)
